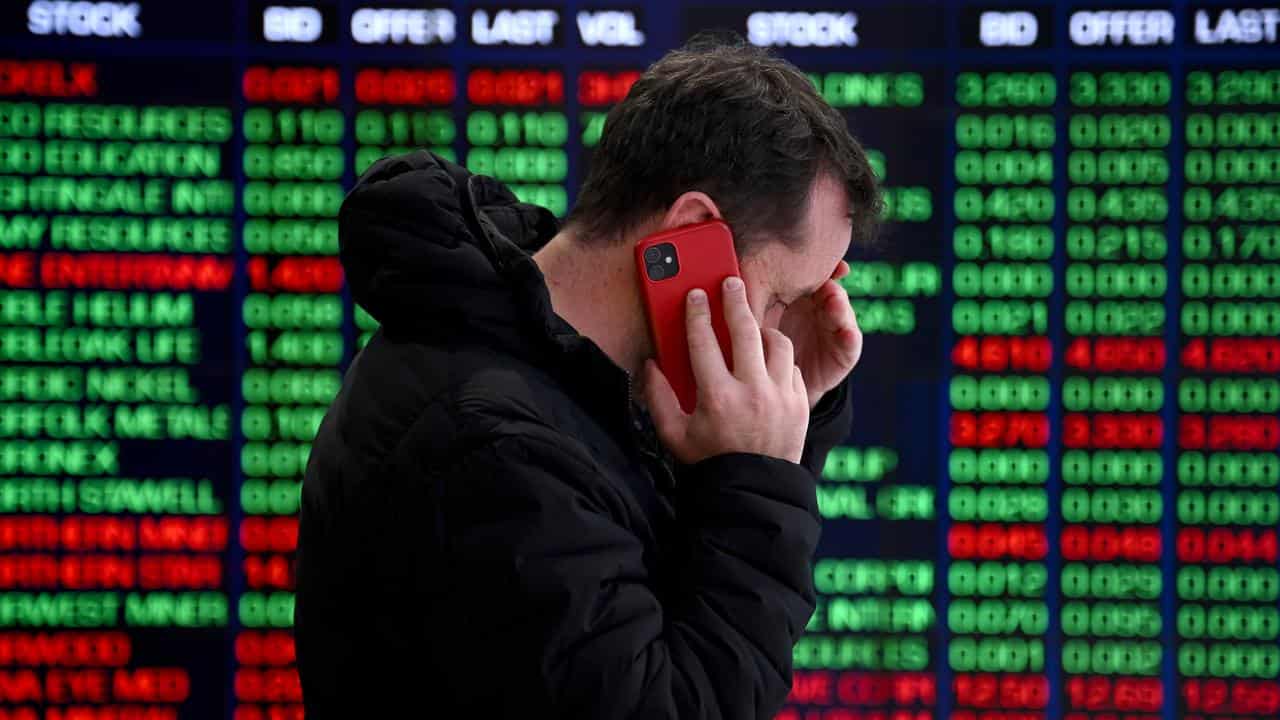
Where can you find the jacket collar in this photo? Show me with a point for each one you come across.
(435, 252)
(600, 383)
(577, 361)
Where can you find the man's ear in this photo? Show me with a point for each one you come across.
(691, 207)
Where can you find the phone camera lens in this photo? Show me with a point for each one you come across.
(661, 261)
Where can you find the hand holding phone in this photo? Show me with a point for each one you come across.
(670, 264)
(749, 394)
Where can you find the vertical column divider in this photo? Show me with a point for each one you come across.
(942, 568)
(1169, 415)
(239, 289)
(1056, 707)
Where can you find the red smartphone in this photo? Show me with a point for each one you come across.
(669, 265)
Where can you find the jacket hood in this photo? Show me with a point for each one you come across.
(429, 248)
(440, 255)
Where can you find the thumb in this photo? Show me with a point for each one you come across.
(664, 407)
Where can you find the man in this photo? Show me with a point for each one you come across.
(506, 513)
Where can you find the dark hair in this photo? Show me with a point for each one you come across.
(731, 120)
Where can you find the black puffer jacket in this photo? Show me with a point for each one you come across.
(488, 524)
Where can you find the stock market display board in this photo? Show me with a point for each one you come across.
(1060, 494)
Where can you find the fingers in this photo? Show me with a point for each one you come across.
(797, 380)
(704, 351)
(744, 332)
(842, 269)
(838, 320)
(780, 357)
(837, 311)
(855, 341)
(664, 407)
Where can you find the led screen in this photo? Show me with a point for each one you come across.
(1060, 493)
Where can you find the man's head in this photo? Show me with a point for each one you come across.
(726, 130)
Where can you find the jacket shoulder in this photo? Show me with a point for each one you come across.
(442, 400)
